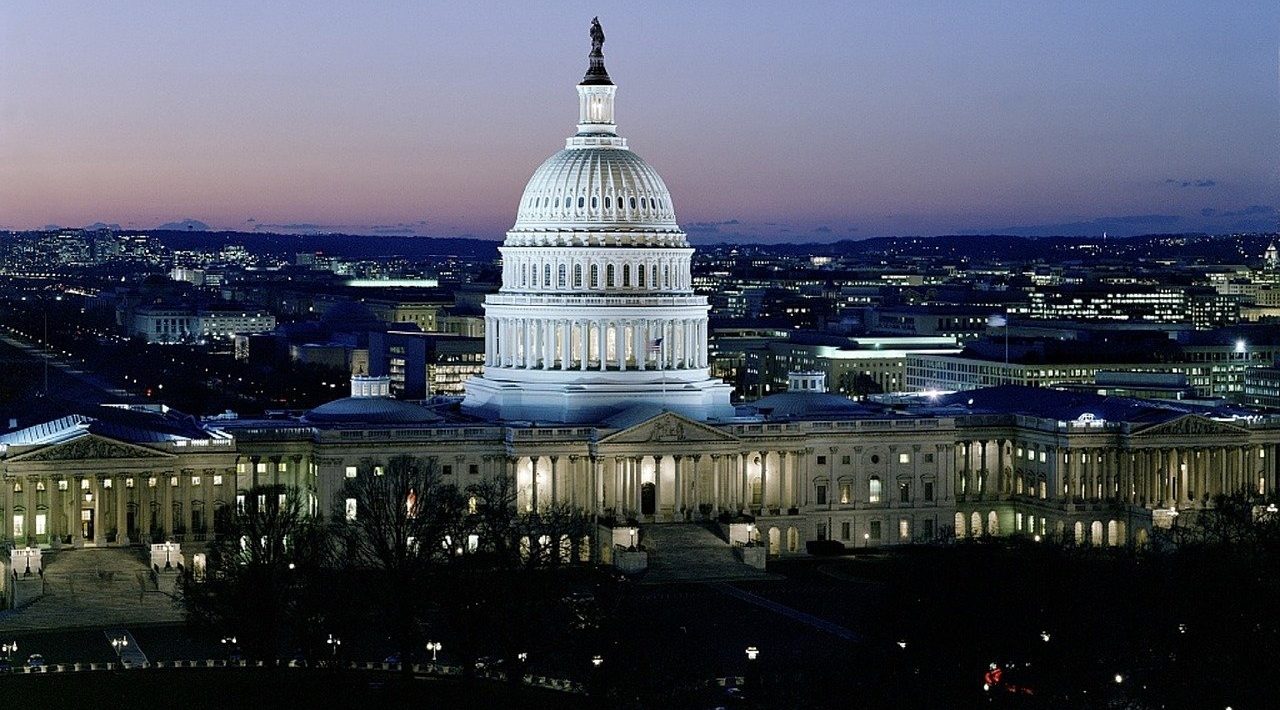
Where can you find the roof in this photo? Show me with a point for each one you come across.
(370, 410)
(131, 424)
(1060, 405)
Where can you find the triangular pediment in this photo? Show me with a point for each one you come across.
(669, 428)
(1193, 425)
(90, 446)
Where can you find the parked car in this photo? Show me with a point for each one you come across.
(35, 660)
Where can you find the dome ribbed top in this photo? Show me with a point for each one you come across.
(606, 189)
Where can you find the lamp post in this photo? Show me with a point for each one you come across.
(9, 648)
(334, 642)
(434, 647)
(119, 643)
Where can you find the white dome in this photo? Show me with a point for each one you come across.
(585, 188)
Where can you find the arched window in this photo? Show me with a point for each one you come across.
(666, 275)
(560, 283)
(626, 274)
(608, 276)
(633, 203)
(606, 202)
(873, 490)
(582, 201)
(524, 274)
(653, 274)
(577, 275)
(593, 202)
(640, 276)
(595, 276)
(546, 275)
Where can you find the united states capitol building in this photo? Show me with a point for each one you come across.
(596, 393)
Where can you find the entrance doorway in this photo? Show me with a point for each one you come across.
(648, 502)
(86, 524)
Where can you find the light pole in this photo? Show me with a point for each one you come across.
(434, 647)
(9, 649)
(334, 642)
(119, 643)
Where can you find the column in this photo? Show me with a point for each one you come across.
(744, 482)
(678, 478)
(1003, 486)
(118, 491)
(620, 344)
(533, 483)
(764, 481)
(584, 344)
(657, 485)
(603, 337)
(555, 473)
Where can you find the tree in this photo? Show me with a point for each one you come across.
(405, 525)
(262, 576)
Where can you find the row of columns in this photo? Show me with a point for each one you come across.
(1156, 476)
(577, 274)
(596, 344)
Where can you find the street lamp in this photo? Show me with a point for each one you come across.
(596, 661)
(9, 648)
(752, 653)
(434, 647)
(334, 642)
(1119, 679)
(119, 643)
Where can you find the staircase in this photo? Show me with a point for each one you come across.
(93, 587)
(690, 552)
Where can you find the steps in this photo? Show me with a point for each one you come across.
(94, 587)
(689, 552)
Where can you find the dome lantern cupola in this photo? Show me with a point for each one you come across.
(595, 94)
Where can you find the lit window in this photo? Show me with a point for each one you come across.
(62, 485)
(873, 490)
(195, 480)
(84, 484)
(217, 479)
(262, 467)
(106, 483)
(377, 470)
(282, 467)
(350, 509)
(151, 482)
(173, 481)
(351, 471)
(904, 529)
(41, 523)
(904, 458)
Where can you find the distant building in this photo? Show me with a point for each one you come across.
(422, 365)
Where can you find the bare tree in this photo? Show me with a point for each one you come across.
(260, 573)
(406, 523)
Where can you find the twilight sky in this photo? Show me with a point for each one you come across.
(771, 121)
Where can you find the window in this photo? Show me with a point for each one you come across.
(217, 479)
(875, 458)
(128, 483)
(19, 528)
(846, 493)
(242, 467)
(904, 458)
(904, 492)
(928, 458)
(822, 531)
(822, 495)
(928, 490)
(473, 469)
(262, 467)
(626, 274)
(151, 482)
(595, 276)
(577, 275)
(844, 530)
(195, 480)
(844, 460)
(904, 529)
(41, 523)
(608, 275)
(377, 470)
(927, 529)
(875, 533)
(822, 460)
(561, 276)
(446, 470)
(351, 471)
(173, 481)
(873, 490)
(84, 485)
(62, 485)
(350, 509)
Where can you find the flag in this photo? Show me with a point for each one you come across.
(655, 346)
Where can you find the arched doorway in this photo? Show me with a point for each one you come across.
(793, 540)
(775, 541)
(648, 502)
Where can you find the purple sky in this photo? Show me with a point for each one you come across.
(776, 121)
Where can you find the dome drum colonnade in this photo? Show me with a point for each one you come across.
(596, 311)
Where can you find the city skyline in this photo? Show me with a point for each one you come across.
(986, 119)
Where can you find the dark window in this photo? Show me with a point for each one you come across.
(844, 460)
(473, 469)
(875, 529)
(447, 470)
(904, 492)
(822, 460)
(875, 458)
(822, 495)
(844, 530)
(928, 490)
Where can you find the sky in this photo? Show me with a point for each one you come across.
(769, 121)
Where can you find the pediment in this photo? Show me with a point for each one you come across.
(669, 427)
(90, 446)
(1193, 425)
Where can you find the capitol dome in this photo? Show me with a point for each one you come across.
(596, 311)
